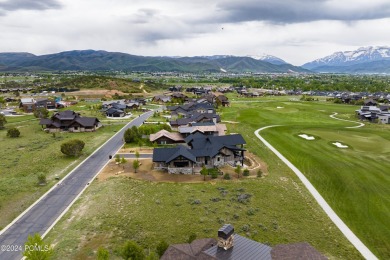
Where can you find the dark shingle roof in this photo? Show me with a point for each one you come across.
(188, 251)
(87, 121)
(168, 154)
(302, 251)
(243, 248)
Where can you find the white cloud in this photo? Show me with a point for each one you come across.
(188, 28)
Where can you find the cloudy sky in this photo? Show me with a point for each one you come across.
(297, 31)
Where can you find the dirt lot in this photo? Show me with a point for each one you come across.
(146, 171)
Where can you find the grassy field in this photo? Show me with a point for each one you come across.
(280, 210)
(354, 181)
(33, 153)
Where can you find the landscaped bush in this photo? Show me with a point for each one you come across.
(13, 132)
(162, 246)
(41, 179)
(226, 176)
(72, 147)
(132, 250)
(259, 173)
(246, 172)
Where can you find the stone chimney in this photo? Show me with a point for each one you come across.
(226, 236)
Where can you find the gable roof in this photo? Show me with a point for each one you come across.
(169, 154)
(173, 136)
(87, 121)
(243, 248)
(65, 115)
(296, 251)
(188, 251)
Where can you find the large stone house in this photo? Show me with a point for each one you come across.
(210, 151)
(69, 121)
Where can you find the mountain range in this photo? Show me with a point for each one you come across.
(362, 60)
(91, 60)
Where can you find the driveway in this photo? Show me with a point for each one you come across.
(44, 213)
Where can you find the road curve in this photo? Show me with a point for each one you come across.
(45, 212)
(366, 253)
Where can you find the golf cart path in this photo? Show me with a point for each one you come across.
(366, 253)
(360, 124)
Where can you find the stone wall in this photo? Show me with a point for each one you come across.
(180, 170)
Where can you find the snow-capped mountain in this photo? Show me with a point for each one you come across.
(349, 58)
(268, 58)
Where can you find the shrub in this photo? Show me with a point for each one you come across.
(41, 113)
(72, 147)
(162, 246)
(36, 241)
(13, 132)
(259, 173)
(41, 179)
(102, 254)
(245, 228)
(226, 176)
(132, 250)
(214, 174)
(246, 172)
(3, 120)
(191, 238)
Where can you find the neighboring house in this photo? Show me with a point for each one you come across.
(210, 151)
(195, 118)
(384, 118)
(70, 121)
(165, 137)
(370, 102)
(191, 108)
(27, 105)
(115, 112)
(369, 113)
(208, 128)
(45, 103)
(235, 247)
(175, 88)
(179, 95)
(223, 100)
(161, 99)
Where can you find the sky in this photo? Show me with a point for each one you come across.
(297, 31)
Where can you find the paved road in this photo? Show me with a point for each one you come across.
(366, 253)
(41, 216)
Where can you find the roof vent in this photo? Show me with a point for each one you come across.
(225, 236)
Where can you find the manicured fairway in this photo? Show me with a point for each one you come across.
(355, 181)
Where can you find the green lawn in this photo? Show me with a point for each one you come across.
(280, 209)
(110, 212)
(35, 152)
(354, 181)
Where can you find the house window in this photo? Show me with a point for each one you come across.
(163, 142)
(218, 159)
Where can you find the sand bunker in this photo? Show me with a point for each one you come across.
(279, 107)
(307, 137)
(340, 145)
